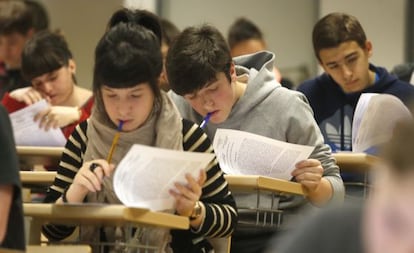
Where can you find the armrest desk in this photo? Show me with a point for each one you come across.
(48, 156)
(248, 183)
(97, 214)
(354, 162)
(37, 178)
(266, 212)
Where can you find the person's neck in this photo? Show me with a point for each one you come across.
(73, 99)
(371, 77)
(239, 90)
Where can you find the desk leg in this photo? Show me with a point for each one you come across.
(35, 231)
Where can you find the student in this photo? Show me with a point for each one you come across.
(404, 72)
(40, 15)
(343, 51)
(245, 37)
(128, 63)
(48, 63)
(242, 94)
(11, 211)
(169, 33)
(383, 223)
(16, 27)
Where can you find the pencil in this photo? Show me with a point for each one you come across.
(205, 121)
(114, 142)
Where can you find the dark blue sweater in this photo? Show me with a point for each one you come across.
(334, 109)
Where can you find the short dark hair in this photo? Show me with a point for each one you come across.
(45, 52)
(40, 15)
(196, 57)
(169, 31)
(15, 16)
(128, 54)
(336, 28)
(241, 30)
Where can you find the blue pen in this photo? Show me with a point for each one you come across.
(205, 121)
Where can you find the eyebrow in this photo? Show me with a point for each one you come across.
(351, 55)
(346, 58)
(112, 89)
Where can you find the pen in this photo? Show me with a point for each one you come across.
(205, 121)
(114, 142)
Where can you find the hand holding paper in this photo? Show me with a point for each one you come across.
(145, 176)
(245, 153)
(27, 132)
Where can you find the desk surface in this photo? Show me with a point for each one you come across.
(99, 214)
(29, 156)
(354, 162)
(40, 178)
(58, 248)
(248, 183)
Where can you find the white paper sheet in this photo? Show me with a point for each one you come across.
(359, 113)
(28, 133)
(145, 175)
(244, 153)
(375, 117)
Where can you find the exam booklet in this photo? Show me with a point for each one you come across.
(28, 133)
(145, 175)
(243, 153)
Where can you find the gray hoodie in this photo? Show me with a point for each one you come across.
(268, 109)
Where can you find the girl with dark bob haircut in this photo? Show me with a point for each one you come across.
(128, 63)
(48, 64)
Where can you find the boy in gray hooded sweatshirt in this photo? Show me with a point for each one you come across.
(242, 94)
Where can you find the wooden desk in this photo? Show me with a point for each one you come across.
(354, 162)
(58, 248)
(37, 178)
(247, 183)
(97, 214)
(48, 156)
(268, 190)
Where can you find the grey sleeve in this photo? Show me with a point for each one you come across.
(303, 129)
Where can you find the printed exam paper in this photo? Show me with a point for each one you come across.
(28, 133)
(145, 175)
(243, 153)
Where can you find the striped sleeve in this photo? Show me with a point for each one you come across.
(221, 214)
(70, 162)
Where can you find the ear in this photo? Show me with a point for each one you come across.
(72, 66)
(368, 48)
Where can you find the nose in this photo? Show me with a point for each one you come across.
(346, 72)
(47, 87)
(123, 108)
(207, 102)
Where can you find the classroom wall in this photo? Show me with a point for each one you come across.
(83, 23)
(286, 26)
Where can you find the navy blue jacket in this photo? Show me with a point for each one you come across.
(334, 109)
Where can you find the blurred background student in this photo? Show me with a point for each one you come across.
(48, 64)
(11, 211)
(384, 223)
(19, 20)
(169, 33)
(245, 37)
